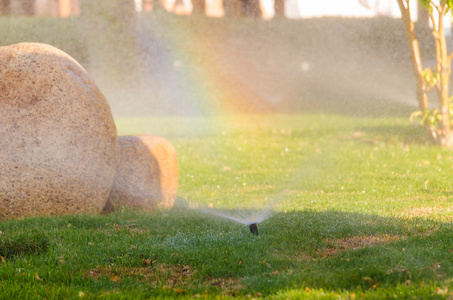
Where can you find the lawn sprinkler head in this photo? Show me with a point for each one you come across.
(254, 229)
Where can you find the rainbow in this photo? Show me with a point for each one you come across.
(196, 69)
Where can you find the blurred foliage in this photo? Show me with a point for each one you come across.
(281, 65)
(65, 34)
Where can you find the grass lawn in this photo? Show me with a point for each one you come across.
(362, 208)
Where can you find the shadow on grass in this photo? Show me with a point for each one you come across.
(330, 250)
(23, 243)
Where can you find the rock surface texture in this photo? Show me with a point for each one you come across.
(147, 174)
(58, 141)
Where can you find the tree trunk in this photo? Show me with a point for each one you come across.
(422, 96)
(251, 8)
(199, 6)
(5, 7)
(422, 15)
(279, 7)
(443, 69)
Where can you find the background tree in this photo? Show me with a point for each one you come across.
(437, 121)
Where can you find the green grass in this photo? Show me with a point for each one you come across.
(21, 244)
(362, 208)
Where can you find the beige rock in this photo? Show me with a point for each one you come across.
(58, 141)
(147, 173)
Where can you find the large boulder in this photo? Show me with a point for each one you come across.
(58, 141)
(147, 174)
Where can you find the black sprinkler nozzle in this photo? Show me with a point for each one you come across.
(254, 229)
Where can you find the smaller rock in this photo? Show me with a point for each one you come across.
(147, 173)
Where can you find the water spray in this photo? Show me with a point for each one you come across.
(254, 229)
(249, 218)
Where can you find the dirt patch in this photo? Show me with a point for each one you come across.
(421, 212)
(358, 242)
(229, 285)
(337, 246)
(165, 276)
(161, 274)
